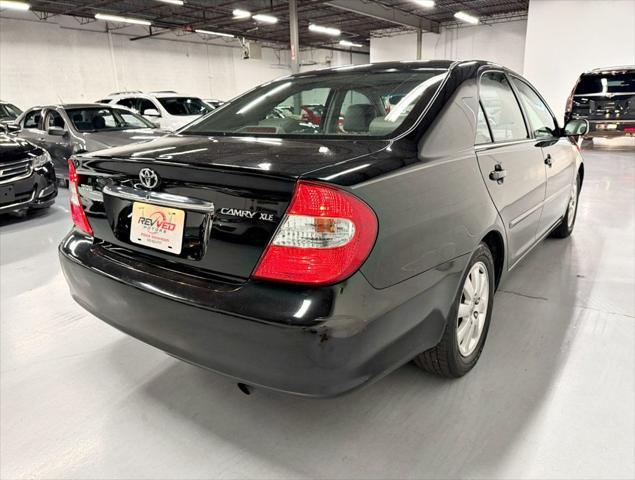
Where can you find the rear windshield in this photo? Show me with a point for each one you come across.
(106, 118)
(184, 106)
(348, 102)
(606, 83)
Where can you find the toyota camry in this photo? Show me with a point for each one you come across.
(314, 257)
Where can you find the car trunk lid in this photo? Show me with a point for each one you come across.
(245, 185)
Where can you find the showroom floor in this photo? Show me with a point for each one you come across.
(552, 396)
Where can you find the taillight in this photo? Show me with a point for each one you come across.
(77, 210)
(629, 129)
(324, 238)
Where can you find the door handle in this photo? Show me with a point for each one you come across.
(548, 160)
(498, 174)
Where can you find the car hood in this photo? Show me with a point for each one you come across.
(275, 156)
(14, 148)
(115, 138)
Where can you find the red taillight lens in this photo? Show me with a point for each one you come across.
(77, 210)
(629, 129)
(324, 238)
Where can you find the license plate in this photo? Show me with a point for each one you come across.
(157, 227)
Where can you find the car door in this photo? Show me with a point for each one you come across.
(511, 165)
(559, 156)
(60, 147)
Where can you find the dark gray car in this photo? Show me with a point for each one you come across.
(64, 130)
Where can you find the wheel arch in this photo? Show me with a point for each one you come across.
(581, 173)
(496, 244)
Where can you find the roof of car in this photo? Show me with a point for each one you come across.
(380, 67)
(77, 105)
(620, 68)
(162, 94)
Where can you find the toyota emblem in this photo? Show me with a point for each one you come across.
(149, 178)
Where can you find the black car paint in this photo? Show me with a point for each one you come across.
(19, 193)
(431, 193)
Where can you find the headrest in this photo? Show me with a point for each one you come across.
(358, 117)
(285, 124)
(99, 122)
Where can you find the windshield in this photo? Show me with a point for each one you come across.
(106, 118)
(185, 106)
(344, 102)
(606, 83)
(9, 111)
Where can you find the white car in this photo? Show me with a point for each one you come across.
(168, 109)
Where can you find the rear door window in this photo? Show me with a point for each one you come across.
(482, 130)
(32, 119)
(540, 118)
(501, 108)
(54, 119)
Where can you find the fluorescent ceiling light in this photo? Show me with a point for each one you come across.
(265, 18)
(325, 30)
(425, 3)
(14, 5)
(117, 18)
(173, 2)
(209, 32)
(464, 17)
(239, 13)
(347, 43)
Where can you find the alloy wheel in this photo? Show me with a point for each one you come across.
(472, 309)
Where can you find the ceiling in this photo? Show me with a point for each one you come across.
(217, 15)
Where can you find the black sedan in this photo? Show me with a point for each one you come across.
(27, 176)
(75, 128)
(314, 262)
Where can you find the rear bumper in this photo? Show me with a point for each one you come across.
(611, 128)
(313, 342)
(38, 190)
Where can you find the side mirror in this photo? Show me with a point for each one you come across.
(56, 131)
(576, 128)
(151, 112)
(12, 127)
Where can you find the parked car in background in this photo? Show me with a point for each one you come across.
(64, 130)
(8, 112)
(606, 98)
(167, 109)
(314, 261)
(27, 176)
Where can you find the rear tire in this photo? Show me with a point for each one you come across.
(468, 322)
(568, 222)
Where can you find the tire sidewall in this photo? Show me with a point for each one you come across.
(575, 211)
(461, 364)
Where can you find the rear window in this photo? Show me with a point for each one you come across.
(98, 119)
(184, 106)
(345, 102)
(606, 83)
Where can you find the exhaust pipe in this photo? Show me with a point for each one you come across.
(246, 389)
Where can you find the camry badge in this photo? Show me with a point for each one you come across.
(149, 178)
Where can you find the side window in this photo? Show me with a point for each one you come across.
(54, 119)
(501, 108)
(540, 118)
(32, 119)
(145, 104)
(482, 130)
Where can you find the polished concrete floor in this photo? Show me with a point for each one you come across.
(552, 397)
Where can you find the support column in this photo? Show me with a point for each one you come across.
(294, 36)
(419, 43)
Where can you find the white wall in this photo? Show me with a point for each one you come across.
(566, 38)
(502, 43)
(61, 60)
